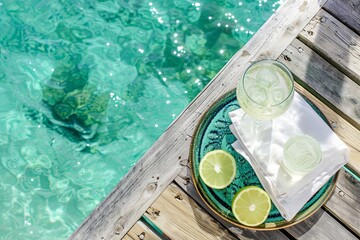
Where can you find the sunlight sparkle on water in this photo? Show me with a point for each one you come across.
(133, 95)
(160, 20)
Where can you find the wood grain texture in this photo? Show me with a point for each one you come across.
(345, 202)
(344, 206)
(347, 11)
(180, 217)
(325, 80)
(162, 163)
(322, 226)
(140, 232)
(335, 42)
(184, 181)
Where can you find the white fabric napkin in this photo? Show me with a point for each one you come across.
(289, 193)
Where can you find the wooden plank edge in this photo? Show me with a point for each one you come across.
(345, 12)
(341, 126)
(321, 225)
(184, 181)
(123, 207)
(141, 231)
(343, 192)
(344, 204)
(335, 58)
(180, 217)
(295, 58)
(154, 227)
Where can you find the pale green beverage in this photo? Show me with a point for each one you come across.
(301, 154)
(266, 90)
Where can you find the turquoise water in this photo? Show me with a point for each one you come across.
(86, 87)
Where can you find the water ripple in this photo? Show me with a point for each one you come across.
(87, 86)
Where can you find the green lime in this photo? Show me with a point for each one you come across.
(251, 206)
(217, 169)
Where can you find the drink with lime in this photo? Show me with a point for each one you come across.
(266, 90)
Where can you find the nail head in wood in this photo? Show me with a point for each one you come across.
(141, 235)
(341, 193)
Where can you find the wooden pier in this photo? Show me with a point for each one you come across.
(319, 41)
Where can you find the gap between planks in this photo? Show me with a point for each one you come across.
(138, 189)
(323, 79)
(340, 194)
(347, 11)
(141, 232)
(344, 204)
(180, 217)
(335, 42)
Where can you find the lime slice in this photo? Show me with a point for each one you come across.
(251, 206)
(217, 169)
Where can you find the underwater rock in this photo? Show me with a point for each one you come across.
(72, 102)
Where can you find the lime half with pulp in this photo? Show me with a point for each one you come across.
(217, 169)
(251, 206)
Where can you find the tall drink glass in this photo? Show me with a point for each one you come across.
(264, 92)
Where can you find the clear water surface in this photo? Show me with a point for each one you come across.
(87, 86)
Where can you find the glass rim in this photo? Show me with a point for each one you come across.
(287, 71)
(294, 140)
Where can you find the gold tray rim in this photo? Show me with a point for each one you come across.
(297, 219)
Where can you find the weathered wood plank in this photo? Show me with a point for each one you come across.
(180, 217)
(335, 42)
(328, 82)
(184, 181)
(320, 226)
(344, 206)
(162, 163)
(347, 132)
(347, 11)
(345, 202)
(140, 232)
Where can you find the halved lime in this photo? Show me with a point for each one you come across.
(217, 169)
(251, 206)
